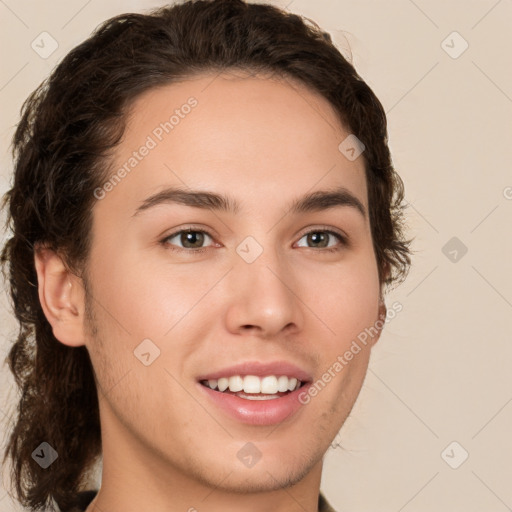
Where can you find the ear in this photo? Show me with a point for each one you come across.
(61, 295)
(380, 322)
(383, 310)
(386, 273)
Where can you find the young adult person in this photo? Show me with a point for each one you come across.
(204, 216)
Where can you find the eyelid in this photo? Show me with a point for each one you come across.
(189, 227)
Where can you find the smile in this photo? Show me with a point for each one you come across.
(253, 387)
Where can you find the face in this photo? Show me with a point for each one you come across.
(182, 288)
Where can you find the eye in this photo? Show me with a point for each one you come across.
(192, 239)
(320, 239)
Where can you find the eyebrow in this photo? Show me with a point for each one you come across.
(312, 202)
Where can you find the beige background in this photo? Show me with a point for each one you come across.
(441, 371)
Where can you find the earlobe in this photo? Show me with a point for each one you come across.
(379, 324)
(383, 310)
(61, 296)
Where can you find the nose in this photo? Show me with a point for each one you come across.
(264, 297)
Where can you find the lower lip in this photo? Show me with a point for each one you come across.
(257, 412)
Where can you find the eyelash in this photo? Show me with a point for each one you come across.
(191, 229)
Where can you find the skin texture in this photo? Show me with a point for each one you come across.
(166, 447)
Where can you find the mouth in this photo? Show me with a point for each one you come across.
(254, 387)
(257, 392)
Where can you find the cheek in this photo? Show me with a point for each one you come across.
(345, 301)
(143, 299)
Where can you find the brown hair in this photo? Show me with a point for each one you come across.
(60, 148)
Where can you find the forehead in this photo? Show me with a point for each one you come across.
(255, 136)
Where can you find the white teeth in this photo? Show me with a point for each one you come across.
(257, 397)
(252, 384)
(268, 385)
(223, 384)
(282, 384)
(292, 383)
(236, 383)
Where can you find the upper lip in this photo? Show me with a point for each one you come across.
(259, 369)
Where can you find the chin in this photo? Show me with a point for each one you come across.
(265, 479)
(269, 473)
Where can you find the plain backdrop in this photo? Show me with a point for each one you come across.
(431, 427)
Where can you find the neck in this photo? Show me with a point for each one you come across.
(144, 490)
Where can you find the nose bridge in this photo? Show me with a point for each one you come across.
(262, 291)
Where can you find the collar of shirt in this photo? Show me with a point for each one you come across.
(85, 498)
(324, 505)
